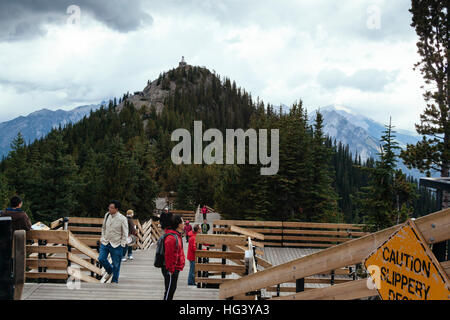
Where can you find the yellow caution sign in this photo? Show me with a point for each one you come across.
(404, 268)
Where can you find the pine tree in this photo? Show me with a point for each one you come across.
(431, 23)
(388, 198)
(54, 190)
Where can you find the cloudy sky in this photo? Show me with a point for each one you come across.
(358, 54)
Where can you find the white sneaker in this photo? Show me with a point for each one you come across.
(130, 258)
(124, 259)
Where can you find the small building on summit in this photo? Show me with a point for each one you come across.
(182, 63)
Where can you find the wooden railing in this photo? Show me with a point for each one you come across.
(55, 255)
(225, 248)
(435, 228)
(295, 234)
(89, 230)
(69, 249)
(187, 215)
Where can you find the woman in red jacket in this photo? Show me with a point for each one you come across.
(173, 255)
(191, 255)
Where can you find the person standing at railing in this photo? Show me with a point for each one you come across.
(173, 256)
(191, 255)
(113, 241)
(132, 236)
(20, 220)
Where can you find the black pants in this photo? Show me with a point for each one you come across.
(204, 216)
(170, 282)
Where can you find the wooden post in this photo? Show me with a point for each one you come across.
(199, 273)
(224, 261)
(6, 280)
(300, 285)
(19, 262)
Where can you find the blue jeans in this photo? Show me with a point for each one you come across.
(129, 250)
(116, 256)
(191, 277)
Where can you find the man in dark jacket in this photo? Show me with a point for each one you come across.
(20, 220)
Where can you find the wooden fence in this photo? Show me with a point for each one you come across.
(435, 228)
(69, 249)
(232, 249)
(57, 254)
(89, 230)
(295, 234)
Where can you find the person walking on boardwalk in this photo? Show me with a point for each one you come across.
(132, 236)
(205, 226)
(205, 211)
(187, 230)
(113, 241)
(191, 255)
(20, 220)
(173, 256)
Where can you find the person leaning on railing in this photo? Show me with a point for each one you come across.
(20, 220)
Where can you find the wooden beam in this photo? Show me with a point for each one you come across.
(345, 291)
(446, 266)
(47, 263)
(56, 223)
(86, 229)
(436, 226)
(210, 280)
(52, 236)
(46, 275)
(77, 244)
(83, 220)
(219, 254)
(45, 249)
(219, 267)
(217, 239)
(83, 263)
(81, 276)
(248, 233)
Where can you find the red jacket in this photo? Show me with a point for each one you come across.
(187, 229)
(174, 255)
(191, 247)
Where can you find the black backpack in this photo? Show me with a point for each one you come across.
(160, 260)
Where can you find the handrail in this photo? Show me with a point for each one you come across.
(434, 228)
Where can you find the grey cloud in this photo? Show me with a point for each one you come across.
(25, 19)
(339, 19)
(365, 79)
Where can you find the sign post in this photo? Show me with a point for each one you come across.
(404, 268)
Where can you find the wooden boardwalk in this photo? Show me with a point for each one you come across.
(139, 280)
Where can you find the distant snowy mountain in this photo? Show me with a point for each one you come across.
(39, 123)
(362, 134)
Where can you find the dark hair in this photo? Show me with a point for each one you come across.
(196, 228)
(176, 220)
(116, 204)
(15, 201)
(165, 219)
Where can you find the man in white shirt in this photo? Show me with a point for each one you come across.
(113, 240)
